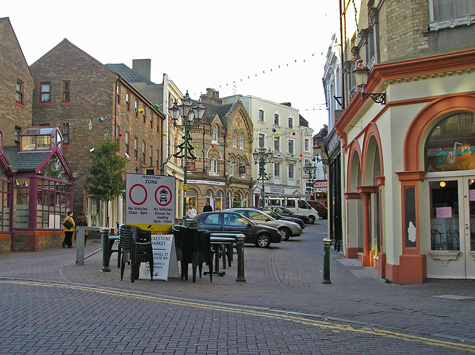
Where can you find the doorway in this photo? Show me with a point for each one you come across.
(451, 241)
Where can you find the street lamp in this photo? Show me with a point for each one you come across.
(262, 157)
(191, 118)
(361, 76)
(309, 169)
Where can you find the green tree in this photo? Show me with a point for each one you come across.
(106, 182)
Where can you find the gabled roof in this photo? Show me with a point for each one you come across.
(6, 20)
(128, 74)
(27, 161)
(213, 110)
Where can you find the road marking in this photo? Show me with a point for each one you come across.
(256, 313)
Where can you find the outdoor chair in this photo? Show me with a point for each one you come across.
(142, 252)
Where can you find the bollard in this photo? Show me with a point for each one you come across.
(326, 261)
(105, 250)
(240, 251)
(80, 245)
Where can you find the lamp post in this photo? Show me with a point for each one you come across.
(309, 169)
(191, 118)
(262, 157)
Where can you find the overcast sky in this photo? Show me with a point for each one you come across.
(272, 49)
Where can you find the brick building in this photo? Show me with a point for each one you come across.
(221, 173)
(89, 102)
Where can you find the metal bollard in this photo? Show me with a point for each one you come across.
(105, 250)
(326, 261)
(240, 251)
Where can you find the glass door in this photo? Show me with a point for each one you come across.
(451, 247)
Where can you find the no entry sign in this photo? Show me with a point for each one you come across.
(150, 202)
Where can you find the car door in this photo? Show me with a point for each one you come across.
(212, 222)
(235, 223)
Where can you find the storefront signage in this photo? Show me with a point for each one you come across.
(443, 212)
(467, 150)
(321, 185)
(205, 182)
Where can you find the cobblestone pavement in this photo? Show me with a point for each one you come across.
(50, 305)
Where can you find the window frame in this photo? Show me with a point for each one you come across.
(42, 92)
(261, 116)
(66, 91)
(19, 88)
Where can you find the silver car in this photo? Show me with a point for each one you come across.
(288, 229)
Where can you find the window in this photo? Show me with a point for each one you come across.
(17, 134)
(291, 122)
(157, 160)
(151, 121)
(66, 91)
(19, 91)
(262, 140)
(291, 146)
(277, 143)
(136, 109)
(231, 167)
(276, 170)
(65, 132)
(449, 13)
(143, 153)
(144, 115)
(150, 155)
(117, 94)
(234, 138)
(127, 102)
(306, 144)
(136, 155)
(214, 167)
(241, 141)
(127, 144)
(291, 171)
(261, 116)
(45, 89)
(276, 119)
(215, 133)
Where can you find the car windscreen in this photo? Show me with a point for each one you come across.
(235, 219)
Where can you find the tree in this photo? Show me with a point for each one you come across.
(106, 182)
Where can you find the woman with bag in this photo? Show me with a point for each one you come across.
(68, 227)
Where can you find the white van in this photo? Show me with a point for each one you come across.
(295, 205)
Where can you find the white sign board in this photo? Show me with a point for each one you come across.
(150, 202)
(165, 263)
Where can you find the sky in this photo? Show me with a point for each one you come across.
(273, 49)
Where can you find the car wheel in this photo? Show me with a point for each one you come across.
(286, 233)
(311, 219)
(263, 241)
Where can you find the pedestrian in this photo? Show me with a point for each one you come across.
(207, 207)
(192, 212)
(82, 221)
(68, 227)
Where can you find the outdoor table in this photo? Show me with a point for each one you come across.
(217, 242)
(112, 239)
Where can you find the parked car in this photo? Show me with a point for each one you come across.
(285, 212)
(320, 207)
(290, 229)
(235, 223)
(276, 215)
(296, 205)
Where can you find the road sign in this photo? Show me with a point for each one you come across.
(150, 202)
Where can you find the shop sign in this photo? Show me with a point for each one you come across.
(456, 152)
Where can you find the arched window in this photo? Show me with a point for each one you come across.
(231, 166)
(191, 197)
(234, 138)
(218, 203)
(236, 200)
(241, 140)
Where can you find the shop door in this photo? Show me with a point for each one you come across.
(451, 246)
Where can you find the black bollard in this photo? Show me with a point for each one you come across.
(105, 250)
(240, 251)
(326, 261)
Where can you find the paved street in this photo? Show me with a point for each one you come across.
(50, 305)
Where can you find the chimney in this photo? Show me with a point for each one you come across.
(142, 66)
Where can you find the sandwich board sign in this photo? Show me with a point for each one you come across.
(165, 263)
(150, 202)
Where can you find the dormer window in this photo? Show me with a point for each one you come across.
(40, 139)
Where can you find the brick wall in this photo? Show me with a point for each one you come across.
(13, 67)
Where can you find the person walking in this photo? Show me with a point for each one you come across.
(68, 227)
(207, 207)
(82, 221)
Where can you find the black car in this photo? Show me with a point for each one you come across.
(285, 212)
(276, 215)
(232, 222)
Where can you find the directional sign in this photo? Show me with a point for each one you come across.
(150, 202)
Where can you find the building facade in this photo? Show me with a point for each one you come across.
(90, 102)
(282, 130)
(408, 137)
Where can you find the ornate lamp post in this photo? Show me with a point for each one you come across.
(191, 118)
(262, 157)
(309, 169)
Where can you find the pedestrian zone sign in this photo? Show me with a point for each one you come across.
(150, 202)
